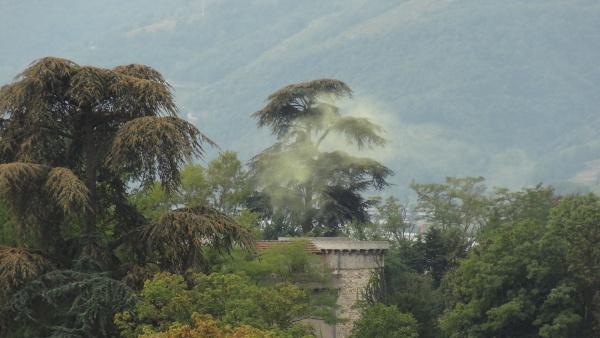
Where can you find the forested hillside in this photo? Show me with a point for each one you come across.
(507, 90)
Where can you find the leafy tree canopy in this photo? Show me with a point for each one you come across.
(69, 303)
(384, 321)
(532, 278)
(292, 263)
(459, 202)
(224, 184)
(168, 301)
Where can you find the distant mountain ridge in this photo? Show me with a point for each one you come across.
(508, 90)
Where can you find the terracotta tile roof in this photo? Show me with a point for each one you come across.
(263, 245)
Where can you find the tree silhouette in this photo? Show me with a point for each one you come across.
(320, 191)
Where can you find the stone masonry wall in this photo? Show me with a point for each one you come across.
(353, 269)
(352, 263)
(352, 283)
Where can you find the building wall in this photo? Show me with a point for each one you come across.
(353, 282)
(352, 263)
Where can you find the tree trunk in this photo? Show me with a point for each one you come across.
(307, 219)
(90, 171)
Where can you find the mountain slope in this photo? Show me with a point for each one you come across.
(508, 90)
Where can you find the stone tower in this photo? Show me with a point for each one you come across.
(352, 263)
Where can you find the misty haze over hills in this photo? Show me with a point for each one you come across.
(507, 90)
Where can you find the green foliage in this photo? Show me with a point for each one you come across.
(576, 222)
(176, 241)
(389, 222)
(532, 276)
(526, 204)
(224, 185)
(442, 250)
(420, 273)
(17, 267)
(250, 220)
(495, 290)
(457, 203)
(409, 281)
(70, 303)
(228, 181)
(414, 265)
(206, 327)
(152, 201)
(287, 262)
(195, 189)
(6, 227)
(167, 301)
(415, 294)
(384, 321)
(37, 198)
(391, 215)
(292, 263)
(280, 224)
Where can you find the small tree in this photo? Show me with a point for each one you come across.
(457, 203)
(384, 321)
(224, 184)
(167, 301)
(229, 183)
(292, 263)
